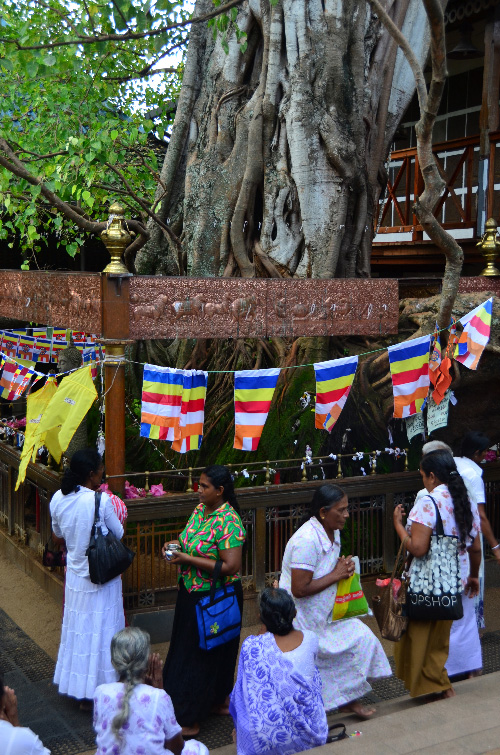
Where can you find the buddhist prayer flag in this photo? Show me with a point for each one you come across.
(27, 348)
(10, 342)
(14, 380)
(57, 347)
(189, 431)
(44, 348)
(161, 401)
(435, 357)
(475, 335)
(39, 332)
(409, 363)
(333, 384)
(36, 404)
(66, 410)
(253, 393)
(58, 334)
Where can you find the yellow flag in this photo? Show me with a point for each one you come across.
(68, 407)
(35, 406)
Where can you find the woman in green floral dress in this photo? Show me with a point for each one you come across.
(199, 681)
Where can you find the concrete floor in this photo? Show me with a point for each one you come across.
(469, 723)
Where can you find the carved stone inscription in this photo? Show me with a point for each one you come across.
(163, 307)
(60, 300)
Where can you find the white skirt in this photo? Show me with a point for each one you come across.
(349, 654)
(92, 615)
(465, 646)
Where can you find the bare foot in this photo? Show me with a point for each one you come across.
(154, 675)
(448, 693)
(473, 674)
(362, 711)
(86, 704)
(190, 731)
(222, 709)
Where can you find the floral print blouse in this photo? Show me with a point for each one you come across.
(423, 512)
(150, 723)
(204, 536)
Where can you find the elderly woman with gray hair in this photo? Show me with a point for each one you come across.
(135, 716)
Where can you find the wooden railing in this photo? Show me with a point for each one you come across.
(271, 513)
(458, 162)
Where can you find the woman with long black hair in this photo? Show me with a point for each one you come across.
(197, 680)
(92, 613)
(423, 650)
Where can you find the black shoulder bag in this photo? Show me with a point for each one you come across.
(108, 557)
(435, 583)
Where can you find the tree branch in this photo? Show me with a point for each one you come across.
(129, 35)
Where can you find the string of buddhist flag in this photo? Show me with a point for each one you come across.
(19, 352)
(173, 410)
(173, 400)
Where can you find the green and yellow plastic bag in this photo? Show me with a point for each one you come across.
(350, 599)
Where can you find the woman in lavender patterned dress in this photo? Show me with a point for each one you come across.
(276, 703)
(132, 717)
(349, 653)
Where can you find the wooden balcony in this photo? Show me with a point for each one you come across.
(399, 239)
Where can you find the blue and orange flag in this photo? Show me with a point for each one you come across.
(44, 349)
(161, 401)
(475, 335)
(333, 383)
(253, 393)
(27, 348)
(409, 363)
(189, 431)
(14, 380)
(10, 343)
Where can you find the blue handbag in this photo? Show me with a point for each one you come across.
(218, 614)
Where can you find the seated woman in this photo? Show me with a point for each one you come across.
(14, 738)
(276, 703)
(349, 653)
(132, 716)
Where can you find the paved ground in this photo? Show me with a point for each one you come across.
(29, 637)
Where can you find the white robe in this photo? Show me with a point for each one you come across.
(349, 653)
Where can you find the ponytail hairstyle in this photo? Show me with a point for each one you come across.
(442, 464)
(474, 441)
(130, 650)
(82, 464)
(325, 497)
(220, 477)
(277, 611)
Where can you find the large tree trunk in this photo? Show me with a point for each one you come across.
(276, 160)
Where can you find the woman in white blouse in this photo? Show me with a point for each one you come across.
(92, 613)
(422, 653)
(349, 653)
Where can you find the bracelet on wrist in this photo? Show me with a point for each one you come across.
(495, 547)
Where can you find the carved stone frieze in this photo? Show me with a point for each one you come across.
(162, 307)
(61, 300)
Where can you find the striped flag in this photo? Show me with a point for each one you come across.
(27, 348)
(14, 380)
(189, 433)
(39, 332)
(435, 357)
(44, 347)
(333, 384)
(57, 347)
(10, 342)
(161, 401)
(475, 335)
(409, 363)
(253, 393)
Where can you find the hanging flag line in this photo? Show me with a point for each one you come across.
(173, 400)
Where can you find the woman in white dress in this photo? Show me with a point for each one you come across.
(14, 738)
(92, 613)
(349, 653)
(135, 716)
